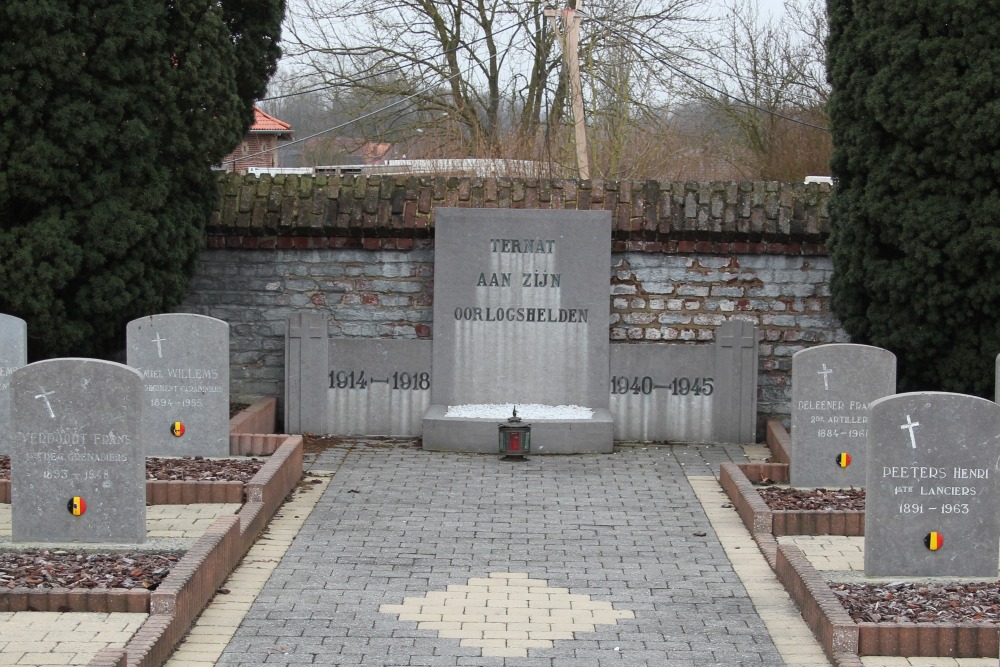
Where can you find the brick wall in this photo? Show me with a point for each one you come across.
(253, 146)
(686, 257)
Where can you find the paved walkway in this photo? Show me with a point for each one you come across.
(420, 558)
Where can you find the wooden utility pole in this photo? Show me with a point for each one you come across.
(570, 41)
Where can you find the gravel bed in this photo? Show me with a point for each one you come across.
(202, 469)
(60, 569)
(187, 468)
(921, 603)
(785, 498)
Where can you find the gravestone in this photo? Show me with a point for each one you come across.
(184, 362)
(521, 316)
(996, 380)
(931, 496)
(354, 386)
(78, 469)
(832, 387)
(687, 392)
(13, 355)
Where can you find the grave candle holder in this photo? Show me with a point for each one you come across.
(515, 437)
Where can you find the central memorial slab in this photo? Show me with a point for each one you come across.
(521, 312)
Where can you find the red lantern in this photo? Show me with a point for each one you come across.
(515, 437)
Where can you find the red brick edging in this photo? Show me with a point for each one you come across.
(259, 417)
(179, 600)
(843, 640)
(840, 636)
(779, 442)
(833, 627)
(760, 519)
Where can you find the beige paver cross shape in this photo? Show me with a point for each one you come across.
(506, 614)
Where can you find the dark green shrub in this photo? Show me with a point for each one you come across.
(915, 117)
(111, 115)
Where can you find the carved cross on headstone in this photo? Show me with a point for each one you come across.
(825, 373)
(159, 348)
(45, 397)
(909, 426)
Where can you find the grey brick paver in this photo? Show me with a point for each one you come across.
(617, 527)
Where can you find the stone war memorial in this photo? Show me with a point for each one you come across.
(687, 392)
(931, 494)
(521, 314)
(13, 355)
(184, 362)
(77, 461)
(832, 387)
(353, 386)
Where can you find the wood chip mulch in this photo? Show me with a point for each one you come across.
(188, 468)
(784, 498)
(921, 603)
(59, 569)
(202, 469)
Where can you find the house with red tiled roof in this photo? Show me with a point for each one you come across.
(258, 148)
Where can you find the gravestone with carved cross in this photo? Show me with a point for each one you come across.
(184, 362)
(13, 355)
(832, 386)
(78, 468)
(931, 494)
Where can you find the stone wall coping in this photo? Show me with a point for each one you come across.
(266, 212)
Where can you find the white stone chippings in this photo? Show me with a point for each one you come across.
(526, 411)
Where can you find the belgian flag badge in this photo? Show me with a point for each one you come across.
(843, 459)
(76, 506)
(177, 429)
(934, 540)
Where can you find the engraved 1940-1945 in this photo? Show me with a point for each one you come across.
(678, 386)
(398, 381)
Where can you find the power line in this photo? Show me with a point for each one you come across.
(361, 79)
(369, 114)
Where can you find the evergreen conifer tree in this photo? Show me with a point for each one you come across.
(915, 217)
(111, 115)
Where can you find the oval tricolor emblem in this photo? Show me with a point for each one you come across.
(76, 506)
(843, 459)
(934, 540)
(177, 429)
